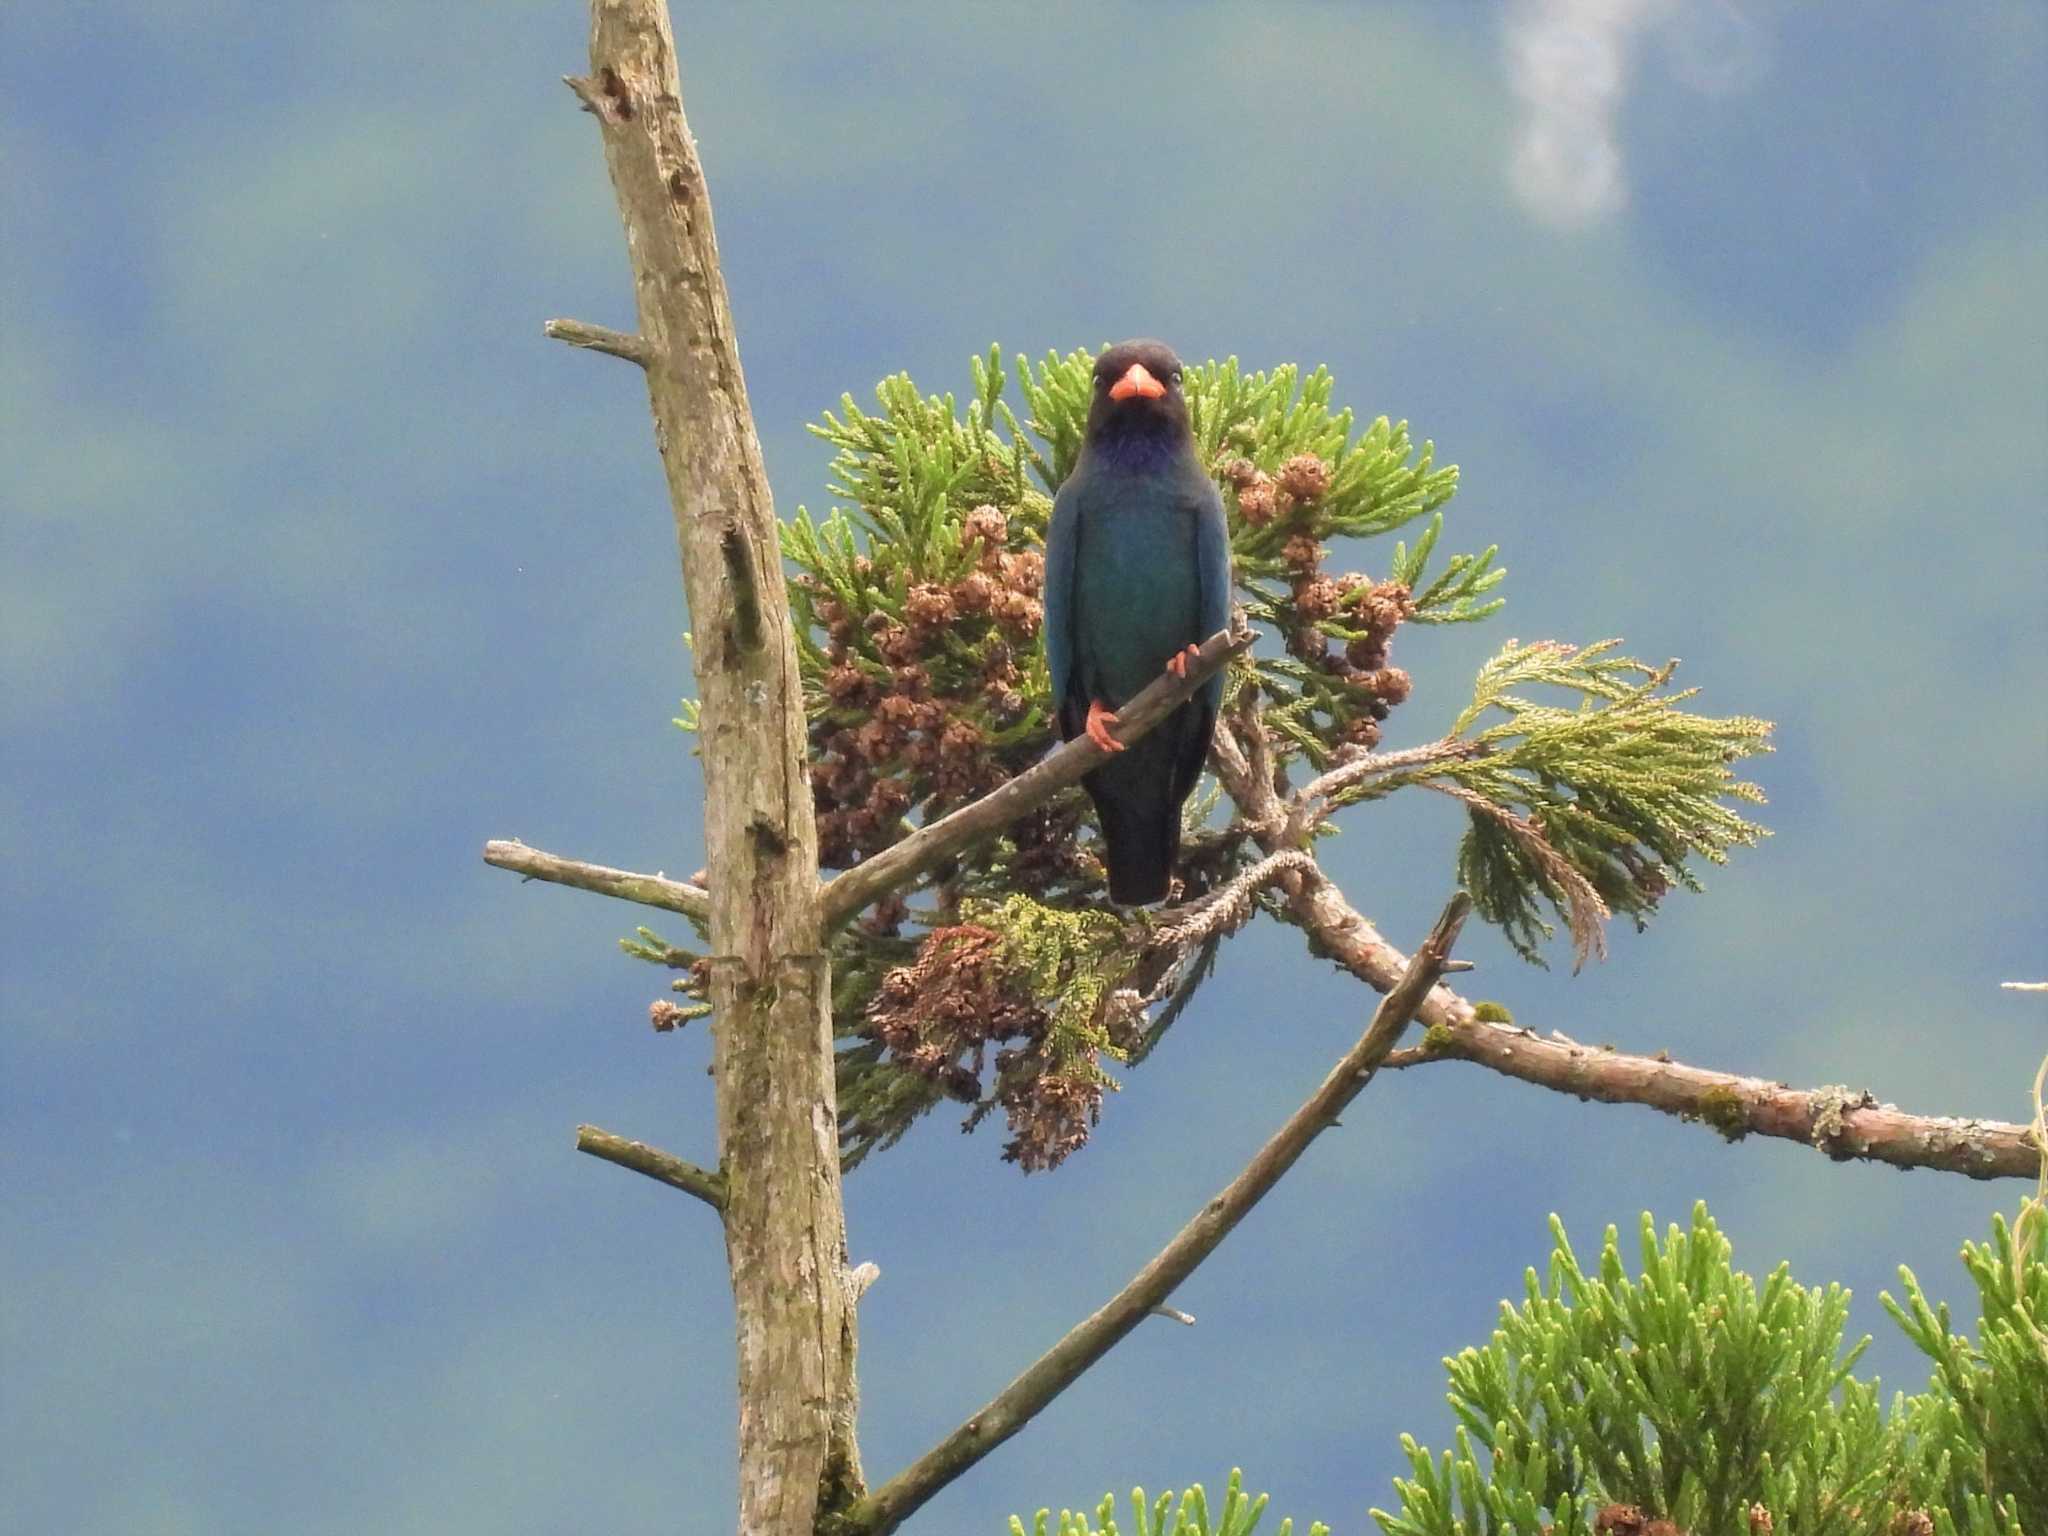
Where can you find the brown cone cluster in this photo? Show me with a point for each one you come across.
(911, 703)
(1302, 481)
(1628, 1520)
(1374, 686)
(1371, 686)
(941, 1016)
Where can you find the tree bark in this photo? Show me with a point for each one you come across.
(772, 1054)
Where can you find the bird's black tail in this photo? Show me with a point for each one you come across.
(1143, 843)
(1141, 839)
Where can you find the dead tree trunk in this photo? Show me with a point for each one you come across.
(785, 1227)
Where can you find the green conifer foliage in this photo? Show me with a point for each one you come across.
(918, 600)
(1239, 1516)
(1689, 1401)
(1982, 1425)
(1595, 808)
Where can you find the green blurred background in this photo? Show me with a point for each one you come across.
(322, 566)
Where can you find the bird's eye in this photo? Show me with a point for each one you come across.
(1176, 377)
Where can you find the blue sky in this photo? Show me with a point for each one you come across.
(323, 567)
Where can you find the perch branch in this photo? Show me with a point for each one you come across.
(656, 1164)
(648, 890)
(1012, 1408)
(931, 846)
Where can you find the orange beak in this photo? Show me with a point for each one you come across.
(1136, 381)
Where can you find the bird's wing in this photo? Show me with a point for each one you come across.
(1212, 561)
(1212, 607)
(1062, 540)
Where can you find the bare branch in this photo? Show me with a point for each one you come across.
(1312, 805)
(1012, 1408)
(1843, 1122)
(1373, 764)
(648, 890)
(661, 1166)
(598, 338)
(1243, 760)
(1227, 908)
(931, 846)
(1839, 1121)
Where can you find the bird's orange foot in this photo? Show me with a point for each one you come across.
(1100, 720)
(1179, 662)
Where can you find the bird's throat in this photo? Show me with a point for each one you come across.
(1139, 442)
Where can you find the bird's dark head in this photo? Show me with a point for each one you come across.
(1138, 397)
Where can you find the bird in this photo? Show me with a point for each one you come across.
(1137, 575)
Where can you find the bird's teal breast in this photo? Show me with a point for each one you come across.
(1136, 596)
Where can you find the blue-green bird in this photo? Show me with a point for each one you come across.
(1137, 574)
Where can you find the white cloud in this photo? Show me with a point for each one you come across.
(1571, 63)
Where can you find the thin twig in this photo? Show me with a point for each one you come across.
(648, 890)
(931, 846)
(1314, 803)
(662, 1166)
(1012, 1408)
(1345, 775)
(599, 338)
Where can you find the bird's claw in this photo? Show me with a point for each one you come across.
(1179, 662)
(1100, 719)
